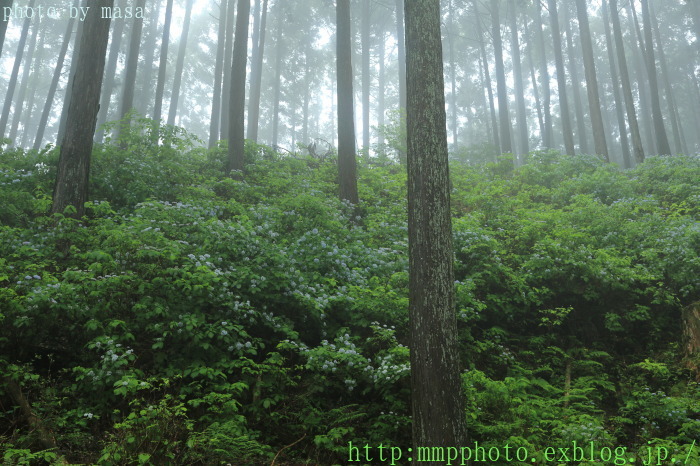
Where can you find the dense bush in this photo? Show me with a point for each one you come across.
(192, 318)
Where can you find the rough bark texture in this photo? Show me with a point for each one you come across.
(637, 149)
(347, 165)
(601, 147)
(74, 159)
(236, 143)
(437, 398)
(561, 79)
(502, 90)
(691, 336)
(54, 84)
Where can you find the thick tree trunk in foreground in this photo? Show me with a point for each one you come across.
(437, 397)
(74, 159)
(236, 143)
(347, 165)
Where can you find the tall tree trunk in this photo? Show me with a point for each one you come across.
(26, 71)
(175, 96)
(533, 79)
(76, 148)
(160, 86)
(601, 147)
(487, 78)
(401, 52)
(279, 50)
(436, 389)
(638, 57)
(15, 72)
(561, 79)
(226, 87)
(575, 85)
(347, 165)
(365, 73)
(502, 90)
(71, 76)
(637, 149)
(678, 137)
(307, 95)
(622, 127)
(453, 76)
(132, 61)
(521, 114)
(41, 128)
(236, 143)
(218, 75)
(663, 147)
(380, 92)
(110, 73)
(32, 106)
(256, 78)
(145, 94)
(544, 78)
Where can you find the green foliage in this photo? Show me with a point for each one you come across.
(192, 318)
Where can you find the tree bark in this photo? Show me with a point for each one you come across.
(160, 86)
(487, 78)
(601, 147)
(436, 391)
(3, 24)
(279, 51)
(365, 73)
(26, 71)
(561, 79)
(110, 72)
(132, 61)
(544, 78)
(236, 143)
(575, 85)
(74, 159)
(347, 165)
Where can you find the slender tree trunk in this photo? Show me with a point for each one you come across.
(638, 57)
(380, 93)
(307, 95)
(54, 83)
(26, 71)
(622, 127)
(175, 96)
(236, 143)
(487, 77)
(145, 94)
(521, 114)
(132, 61)
(453, 77)
(601, 147)
(365, 73)
(279, 50)
(226, 87)
(533, 79)
(110, 73)
(663, 147)
(36, 78)
(561, 79)
(74, 159)
(71, 75)
(15, 72)
(160, 85)
(218, 75)
(256, 78)
(575, 85)
(502, 90)
(401, 50)
(492, 129)
(347, 165)
(544, 77)
(436, 389)
(637, 149)
(676, 127)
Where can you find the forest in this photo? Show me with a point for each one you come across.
(328, 232)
